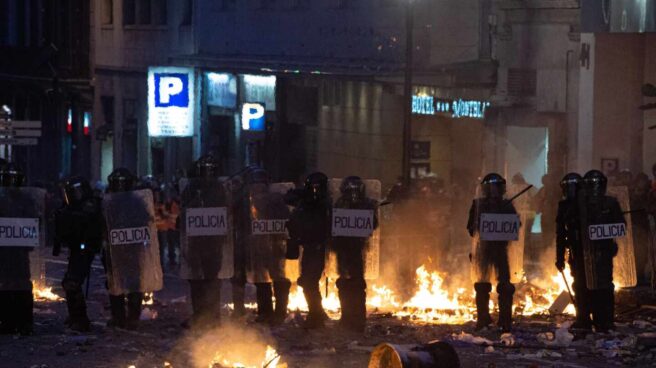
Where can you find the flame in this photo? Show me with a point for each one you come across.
(271, 360)
(44, 293)
(148, 299)
(297, 302)
(434, 302)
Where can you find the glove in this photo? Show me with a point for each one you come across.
(560, 265)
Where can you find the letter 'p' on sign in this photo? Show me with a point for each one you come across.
(171, 89)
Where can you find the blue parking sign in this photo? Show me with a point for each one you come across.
(171, 89)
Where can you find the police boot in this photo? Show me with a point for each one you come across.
(281, 292)
(117, 308)
(77, 311)
(605, 310)
(264, 295)
(238, 297)
(583, 323)
(359, 305)
(483, 290)
(7, 323)
(316, 315)
(134, 310)
(24, 304)
(506, 292)
(345, 302)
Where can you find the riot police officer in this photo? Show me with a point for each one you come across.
(568, 237)
(596, 208)
(16, 300)
(202, 255)
(350, 253)
(309, 227)
(267, 247)
(121, 180)
(491, 257)
(78, 227)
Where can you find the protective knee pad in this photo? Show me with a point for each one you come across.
(483, 287)
(505, 288)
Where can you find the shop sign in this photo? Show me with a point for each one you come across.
(261, 88)
(253, 117)
(170, 102)
(430, 105)
(222, 90)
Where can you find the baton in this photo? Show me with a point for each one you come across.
(568, 289)
(520, 193)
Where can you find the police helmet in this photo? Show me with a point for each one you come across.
(353, 187)
(207, 167)
(76, 190)
(493, 185)
(121, 180)
(11, 175)
(595, 183)
(570, 185)
(316, 186)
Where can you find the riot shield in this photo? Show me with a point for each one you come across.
(652, 249)
(133, 249)
(497, 244)
(266, 241)
(22, 234)
(372, 251)
(624, 264)
(206, 238)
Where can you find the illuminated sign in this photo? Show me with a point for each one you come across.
(87, 122)
(170, 102)
(261, 88)
(253, 117)
(222, 90)
(429, 105)
(69, 121)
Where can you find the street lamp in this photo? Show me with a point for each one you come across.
(407, 91)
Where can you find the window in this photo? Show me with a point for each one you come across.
(129, 9)
(107, 12)
(187, 12)
(159, 12)
(145, 12)
(107, 104)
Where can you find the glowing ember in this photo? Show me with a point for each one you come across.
(148, 299)
(43, 293)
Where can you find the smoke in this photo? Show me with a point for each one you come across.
(230, 346)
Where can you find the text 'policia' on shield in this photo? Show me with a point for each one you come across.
(499, 227)
(207, 221)
(607, 231)
(19, 232)
(353, 223)
(131, 235)
(268, 227)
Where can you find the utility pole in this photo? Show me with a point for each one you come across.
(407, 90)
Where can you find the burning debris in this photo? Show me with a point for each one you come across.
(43, 293)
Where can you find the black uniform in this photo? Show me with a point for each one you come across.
(16, 299)
(79, 226)
(568, 237)
(122, 180)
(202, 256)
(350, 253)
(596, 208)
(492, 256)
(309, 227)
